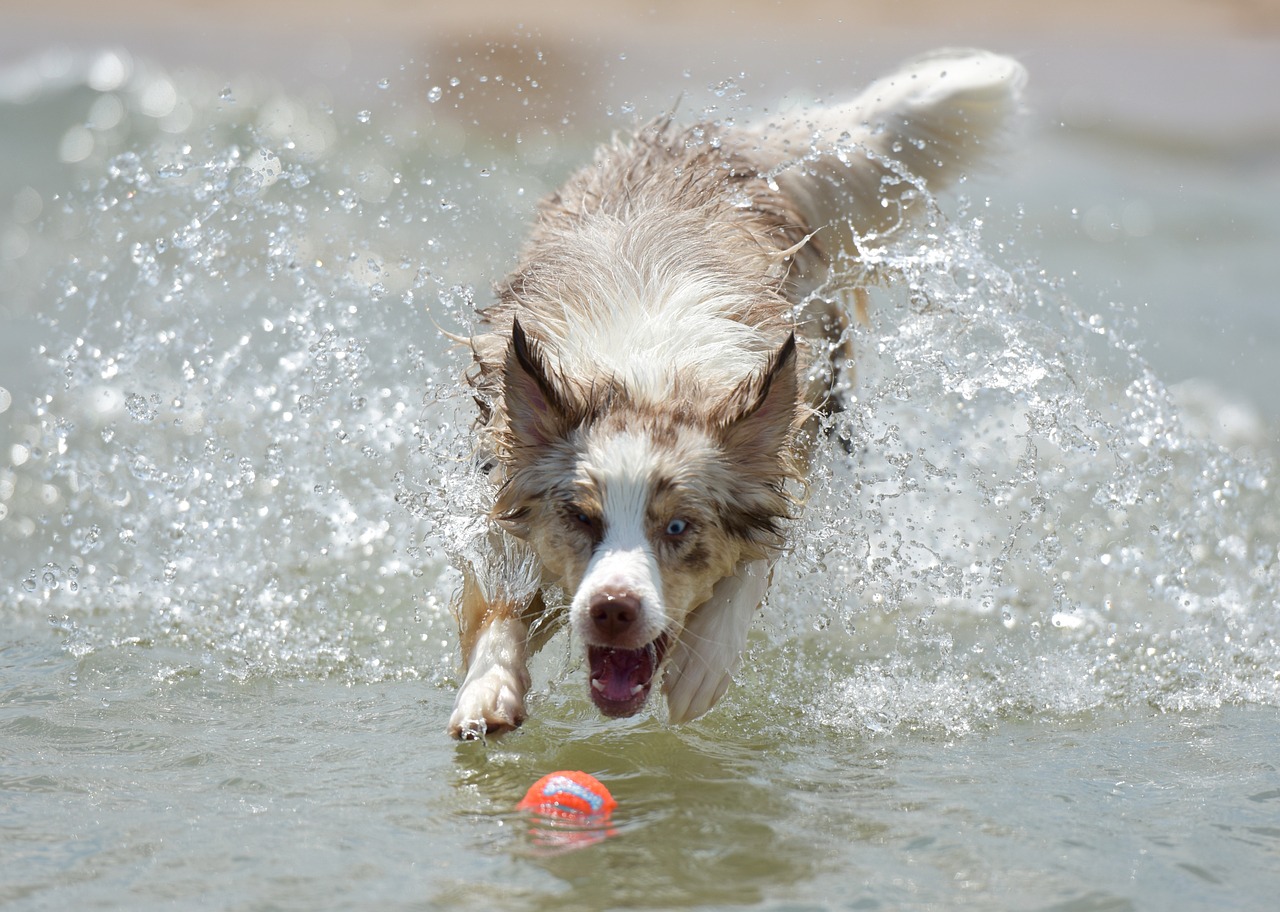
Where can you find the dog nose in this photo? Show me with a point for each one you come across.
(613, 613)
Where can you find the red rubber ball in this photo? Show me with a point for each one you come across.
(568, 793)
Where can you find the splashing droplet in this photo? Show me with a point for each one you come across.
(142, 408)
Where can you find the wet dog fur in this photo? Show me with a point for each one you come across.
(652, 376)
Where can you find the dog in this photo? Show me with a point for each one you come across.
(654, 373)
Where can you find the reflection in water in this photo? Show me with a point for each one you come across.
(692, 808)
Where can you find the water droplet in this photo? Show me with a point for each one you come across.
(435, 94)
(77, 145)
(364, 116)
(141, 408)
(188, 236)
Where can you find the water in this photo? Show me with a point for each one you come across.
(1023, 654)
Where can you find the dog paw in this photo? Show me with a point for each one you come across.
(693, 685)
(490, 703)
(702, 661)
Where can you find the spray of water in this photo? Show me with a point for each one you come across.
(249, 453)
(1026, 524)
(242, 361)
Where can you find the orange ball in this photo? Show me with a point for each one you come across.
(568, 793)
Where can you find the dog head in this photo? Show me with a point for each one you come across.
(640, 508)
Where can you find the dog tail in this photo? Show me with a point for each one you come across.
(860, 166)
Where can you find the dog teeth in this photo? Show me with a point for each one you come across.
(598, 686)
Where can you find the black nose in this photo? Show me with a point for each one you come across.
(613, 613)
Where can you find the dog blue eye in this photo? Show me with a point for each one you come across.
(580, 517)
(677, 527)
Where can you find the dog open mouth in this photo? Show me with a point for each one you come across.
(622, 678)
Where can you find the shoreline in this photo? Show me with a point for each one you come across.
(643, 20)
(1182, 65)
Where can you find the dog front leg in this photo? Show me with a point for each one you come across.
(494, 647)
(703, 660)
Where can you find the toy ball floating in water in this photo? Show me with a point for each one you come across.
(569, 794)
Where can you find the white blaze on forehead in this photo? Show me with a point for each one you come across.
(622, 466)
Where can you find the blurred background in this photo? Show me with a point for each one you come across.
(1151, 165)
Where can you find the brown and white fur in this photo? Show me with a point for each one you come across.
(650, 373)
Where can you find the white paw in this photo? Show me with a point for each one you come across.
(702, 662)
(489, 704)
(491, 698)
(692, 684)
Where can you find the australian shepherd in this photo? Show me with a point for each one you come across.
(655, 371)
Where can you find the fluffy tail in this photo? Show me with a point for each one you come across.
(859, 165)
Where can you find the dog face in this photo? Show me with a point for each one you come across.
(638, 510)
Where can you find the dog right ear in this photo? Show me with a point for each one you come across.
(764, 421)
(537, 412)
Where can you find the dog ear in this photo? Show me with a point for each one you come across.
(536, 411)
(762, 426)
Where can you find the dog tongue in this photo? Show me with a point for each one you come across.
(620, 678)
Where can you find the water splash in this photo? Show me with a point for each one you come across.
(216, 449)
(1026, 524)
(249, 451)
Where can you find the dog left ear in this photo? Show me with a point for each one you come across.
(760, 430)
(538, 413)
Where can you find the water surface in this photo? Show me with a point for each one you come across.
(1022, 654)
